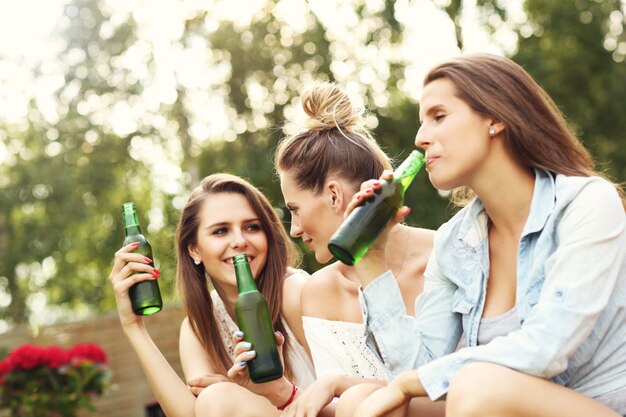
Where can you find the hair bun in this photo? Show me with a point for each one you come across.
(328, 107)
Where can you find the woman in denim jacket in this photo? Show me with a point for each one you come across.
(524, 306)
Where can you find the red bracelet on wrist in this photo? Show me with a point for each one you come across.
(291, 397)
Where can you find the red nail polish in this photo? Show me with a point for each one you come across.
(147, 260)
(135, 244)
(156, 271)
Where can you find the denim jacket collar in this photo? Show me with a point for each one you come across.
(544, 200)
(473, 227)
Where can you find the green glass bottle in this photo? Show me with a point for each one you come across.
(253, 319)
(363, 225)
(145, 296)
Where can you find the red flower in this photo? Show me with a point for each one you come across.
(55, 357)
(88, 351)
(5, 368)
(47, 381)
(26, 357)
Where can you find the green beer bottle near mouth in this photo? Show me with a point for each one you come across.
(363, 225)
(145, 296)
(253, 319)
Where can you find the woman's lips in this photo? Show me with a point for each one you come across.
(431, 160)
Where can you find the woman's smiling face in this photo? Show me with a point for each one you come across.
(229, 226)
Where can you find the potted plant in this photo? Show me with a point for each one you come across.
(52, 381)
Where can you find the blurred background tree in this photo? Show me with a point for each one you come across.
(144, 101)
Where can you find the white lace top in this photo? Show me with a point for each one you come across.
(302, 368)
(338, 348)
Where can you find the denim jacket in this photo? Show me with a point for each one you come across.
(571, 295)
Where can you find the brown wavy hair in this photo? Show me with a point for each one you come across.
(193, 281)
(536, 132)
(334, 141)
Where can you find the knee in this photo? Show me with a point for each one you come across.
(215, 400)
(352, 398)
(476, 389)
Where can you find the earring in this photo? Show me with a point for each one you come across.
(492, 131)
(196, 261)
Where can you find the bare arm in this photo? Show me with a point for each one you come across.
(169, 389)
(394, 396)
(171, 392)
(292, 308)
(198, 370)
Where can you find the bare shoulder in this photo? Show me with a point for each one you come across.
(418, 248)
(187, 335)
(323, 278)
(295, 281)
(296, 278)
(421, 238)
(322, 290)
(193, 356)
(291, 308)
(185, 327)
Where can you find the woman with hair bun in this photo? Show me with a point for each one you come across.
(320, 169)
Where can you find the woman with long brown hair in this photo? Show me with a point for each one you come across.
(224, 216)
(523, 309)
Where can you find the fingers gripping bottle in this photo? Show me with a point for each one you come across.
(363, 225)
(145, 296)
(253, 319)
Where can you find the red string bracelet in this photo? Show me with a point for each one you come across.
(291, 397)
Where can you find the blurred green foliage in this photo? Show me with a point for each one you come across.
(64, 178)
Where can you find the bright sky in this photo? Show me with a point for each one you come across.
(25, 41)
(26, 25)
(25, 28)
(25, 34)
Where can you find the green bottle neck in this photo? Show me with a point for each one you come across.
(245, 279)
(132, 230)
(406, 172)
(131, 221)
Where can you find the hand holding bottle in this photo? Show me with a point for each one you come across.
(366, 221)
(253, 318)
(276, 391)
(145, 296)
(374, 261)
(367, 190)
(129, 268)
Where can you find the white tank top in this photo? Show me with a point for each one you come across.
(338, 348)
